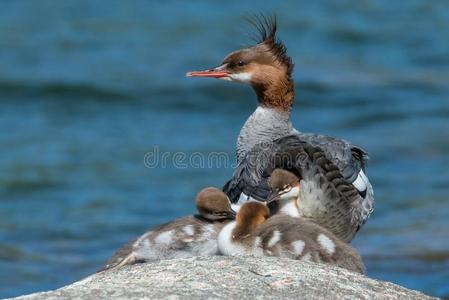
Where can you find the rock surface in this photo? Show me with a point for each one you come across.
(229, 278)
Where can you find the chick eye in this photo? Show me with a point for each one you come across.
(287, 188)
(241, 63)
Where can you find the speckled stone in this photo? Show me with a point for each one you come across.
(220, 277)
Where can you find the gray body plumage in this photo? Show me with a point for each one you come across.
(264, 126)
(263, 132)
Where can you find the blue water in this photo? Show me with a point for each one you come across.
(87, 88)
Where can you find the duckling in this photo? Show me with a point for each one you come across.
(236, 237)
(287, 197)
(284, 197)
(255, 233)
(184, 237)
(214, 205)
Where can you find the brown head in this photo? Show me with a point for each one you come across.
(265, 66)
(250, 215)
(213, 204)
(284, 185)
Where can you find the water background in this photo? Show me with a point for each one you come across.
(88, 87)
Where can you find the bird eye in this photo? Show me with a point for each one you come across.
(287, 188)
(241, 63)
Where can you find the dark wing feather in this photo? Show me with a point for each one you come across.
(310, 163)
(291, 153)
(350, 159)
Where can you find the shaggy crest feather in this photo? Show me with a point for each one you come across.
(266, 27)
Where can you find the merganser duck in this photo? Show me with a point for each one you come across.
(267, 68)
(214, 205)
(255, 233)
(284, 196)
(184, 237)
(324, 195)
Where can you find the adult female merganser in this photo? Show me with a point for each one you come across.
(268, 69)
(255, 233)
(184, 237)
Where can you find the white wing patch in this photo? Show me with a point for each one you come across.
(274, 239)
(361, 182)
(164, 238)
(189, 230)
(298, 247)
(326, 243)
(144, 250)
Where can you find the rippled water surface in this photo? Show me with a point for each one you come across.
(87, 88)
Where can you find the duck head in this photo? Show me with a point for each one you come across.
(265, 66)
(213, 204)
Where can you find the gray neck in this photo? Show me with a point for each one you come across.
(263, 126)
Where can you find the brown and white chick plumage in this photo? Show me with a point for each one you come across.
(184, 237)
(284, 198)
(255, 233)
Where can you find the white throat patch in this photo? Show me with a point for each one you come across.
(241, 77)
